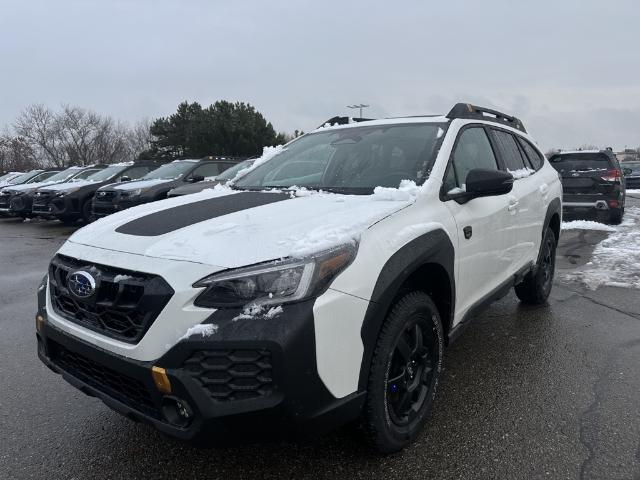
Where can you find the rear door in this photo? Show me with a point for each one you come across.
(526, 205)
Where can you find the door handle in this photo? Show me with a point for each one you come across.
(513, 205)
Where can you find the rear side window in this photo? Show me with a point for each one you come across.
(535, 157)
(580, 161)
(509, 151)
(473, 150)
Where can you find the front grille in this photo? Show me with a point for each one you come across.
(123, 388)
(105, 196)
(124, 305)
(228, 375)
(4, 199)
(42, 198)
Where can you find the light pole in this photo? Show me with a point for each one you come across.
(361, 106)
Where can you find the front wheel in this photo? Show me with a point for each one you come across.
(404, 373)
(536, 286)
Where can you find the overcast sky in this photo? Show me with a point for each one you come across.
(569, 68)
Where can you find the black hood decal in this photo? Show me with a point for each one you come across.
(176, 218)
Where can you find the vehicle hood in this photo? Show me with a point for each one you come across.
(194, 187)
(138, 184)
(61, 187)
(29, 186)
(226, 228)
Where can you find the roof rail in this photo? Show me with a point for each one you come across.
(344, 120)
(473, 112)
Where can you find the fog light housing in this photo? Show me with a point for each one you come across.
(176, 411)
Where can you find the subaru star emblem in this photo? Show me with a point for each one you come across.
(82, 284)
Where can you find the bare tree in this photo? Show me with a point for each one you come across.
(16, 154)
(139, 138)
(74, 136)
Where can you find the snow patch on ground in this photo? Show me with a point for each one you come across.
(633, 191)
(616, 260)
(205, 330)
(587, 225)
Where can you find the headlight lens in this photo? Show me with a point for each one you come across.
(276, 282)
(131, 193)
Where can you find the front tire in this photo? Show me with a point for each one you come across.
(536, 286)
(404, 374)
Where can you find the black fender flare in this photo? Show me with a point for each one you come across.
(434, 247)
(555, 207)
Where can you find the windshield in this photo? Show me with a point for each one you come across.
(231, 172)
(351, 160)
(24, 177)
(106, 174)
(40, 177)
(63, 175)
(580, 162)
(633, 166)
(169, 171)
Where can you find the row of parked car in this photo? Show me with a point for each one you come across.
(89, 192)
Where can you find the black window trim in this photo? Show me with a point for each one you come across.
(521, 140)
(443, 195)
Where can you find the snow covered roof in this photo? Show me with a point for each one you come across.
(387, 121)
(568, 152)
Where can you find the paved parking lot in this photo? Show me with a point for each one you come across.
(547, 392)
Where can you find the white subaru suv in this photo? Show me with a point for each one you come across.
(319, 287)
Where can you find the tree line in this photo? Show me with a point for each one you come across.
(42, 137)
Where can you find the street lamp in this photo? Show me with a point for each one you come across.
(361, 106)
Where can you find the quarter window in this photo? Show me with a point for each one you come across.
(473, 150)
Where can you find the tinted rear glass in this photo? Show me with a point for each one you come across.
(634, 167)
(580, 162)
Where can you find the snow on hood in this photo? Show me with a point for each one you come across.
(59, 187)
(295, 227)
(140, 184)
(29, 186)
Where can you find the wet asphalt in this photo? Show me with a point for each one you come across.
(546, 392)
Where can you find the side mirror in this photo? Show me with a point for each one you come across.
(481, 182)
(195, 179)
(485, 183)
(627, 171)
(124, 178)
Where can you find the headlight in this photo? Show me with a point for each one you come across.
(274, 282)
(67, 192)
(131, 193)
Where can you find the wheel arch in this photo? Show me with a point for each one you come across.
(553, 218)
(425, 263)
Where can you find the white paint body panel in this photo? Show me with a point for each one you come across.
(503, 242)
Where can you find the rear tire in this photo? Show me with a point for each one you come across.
(536, 286)
(404, 374)
(615, 216)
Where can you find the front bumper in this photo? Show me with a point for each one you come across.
(104, 208)
(253, 379)
(21, 205)
(67, 206)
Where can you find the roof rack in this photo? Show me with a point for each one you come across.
(345, 120)
(473, 112)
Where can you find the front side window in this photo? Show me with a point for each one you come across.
(106, 173)
(472, 150)
(85, 174)
(134, 173)
(352, 160)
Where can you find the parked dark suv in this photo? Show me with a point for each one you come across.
(154, 186)
(41, 198)
(631, 174)
(593, 184)
(71, 201)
